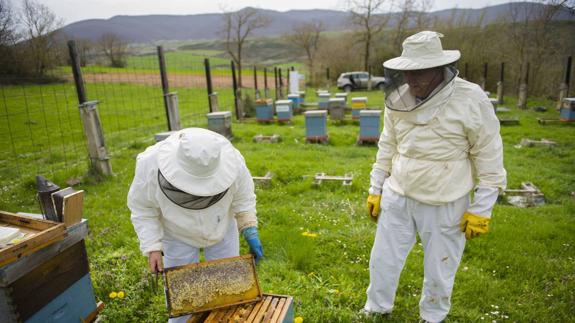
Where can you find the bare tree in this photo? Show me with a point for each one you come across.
(40, 24)
(237, 27)
(306, 37)
(114, 48)
(366, 16)
(7, 32)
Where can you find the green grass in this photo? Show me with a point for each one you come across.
(522, 271)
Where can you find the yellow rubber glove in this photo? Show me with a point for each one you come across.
(373, 202)
(474, 225)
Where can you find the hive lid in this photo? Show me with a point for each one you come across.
(283, 102)
(359, 98)
(219, 114)
(316, 113)
(293, 95)
(370, 112)
(341, 94)
(336, 100)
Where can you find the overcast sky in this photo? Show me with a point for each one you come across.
(74, 10)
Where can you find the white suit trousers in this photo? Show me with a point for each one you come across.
(177, 253)
(443, 243)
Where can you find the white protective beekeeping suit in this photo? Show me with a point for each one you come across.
(432, 153)
(191, 191)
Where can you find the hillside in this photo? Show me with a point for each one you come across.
(142, 29)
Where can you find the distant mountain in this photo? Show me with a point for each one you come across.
(143, 29)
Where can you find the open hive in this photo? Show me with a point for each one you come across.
(272, 309)
(212, 284)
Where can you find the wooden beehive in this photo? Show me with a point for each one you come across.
(316, 126)
(357, 104)
(51, 284)
(220, 122)
(284, 110)
(323, 100)
(210, 285)
(264, 110)
(272, 309)
(337, 109)
(369, 126)
(567, 112)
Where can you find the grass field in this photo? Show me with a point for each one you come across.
(522, 271)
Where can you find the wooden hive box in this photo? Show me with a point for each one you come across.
(272, 308)
(316, 126)
(220, 122)
(284, 110)
(51, 284)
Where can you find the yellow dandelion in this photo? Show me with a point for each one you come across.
(121, 294)
(309, 234)
(298, 319)
(113, 295)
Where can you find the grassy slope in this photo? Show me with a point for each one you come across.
(522, 270)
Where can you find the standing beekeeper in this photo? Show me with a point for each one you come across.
(440, 141)
(192, 191)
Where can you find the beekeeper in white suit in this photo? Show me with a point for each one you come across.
(440, 141)
(192, 191)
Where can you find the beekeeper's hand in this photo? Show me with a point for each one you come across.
(253, 240)
(474, 225)
(373, 208)
(155, 261)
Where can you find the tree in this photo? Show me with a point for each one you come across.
(114, 48)
(366, 15)
(306, 37)
(7, 33)
(236, 28)
(40, 36)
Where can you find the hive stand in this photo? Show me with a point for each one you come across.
(543, 142)
(509, 122)
(271, 139)
(529, 195)
(319, 177)
(265, 180)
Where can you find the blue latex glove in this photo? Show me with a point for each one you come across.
(253, 240)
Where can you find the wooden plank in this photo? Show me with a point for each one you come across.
(271, 310)
(248, 311)
(72, 208)
(44, 283)
(255, 311)
(212, 316)
(26, 222)
(43, 238)
(263, 309)
(11, 272)
(289, 301)
(94, 315)
(278, 311)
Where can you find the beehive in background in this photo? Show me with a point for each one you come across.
(567, 112)
(343, 95)
(272, 309)
(369, 126)
(323, 100)
(210, 285)
(336, 109)
(302, 96)
(357, 104)
(284, 110)
(295, 100)
(316, 126)
(264, 110)
(221, 122)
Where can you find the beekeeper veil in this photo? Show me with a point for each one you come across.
(421, 71)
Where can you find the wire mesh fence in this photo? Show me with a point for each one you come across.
(41, 124)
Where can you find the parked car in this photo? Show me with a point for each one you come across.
(358, 81)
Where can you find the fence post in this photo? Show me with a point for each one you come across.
(500, 84)
(484, 80)
(99, 160)
(564, 87)
(522, 97)
(327, 77)
(170, 99)
(212, 96)
(237, 93)
(281, 82)
(276, 81)
(266, 89)
(257, 92)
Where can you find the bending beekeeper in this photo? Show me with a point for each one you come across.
(440, 141)
(192, 191)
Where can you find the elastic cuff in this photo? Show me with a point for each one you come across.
(153, 247)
